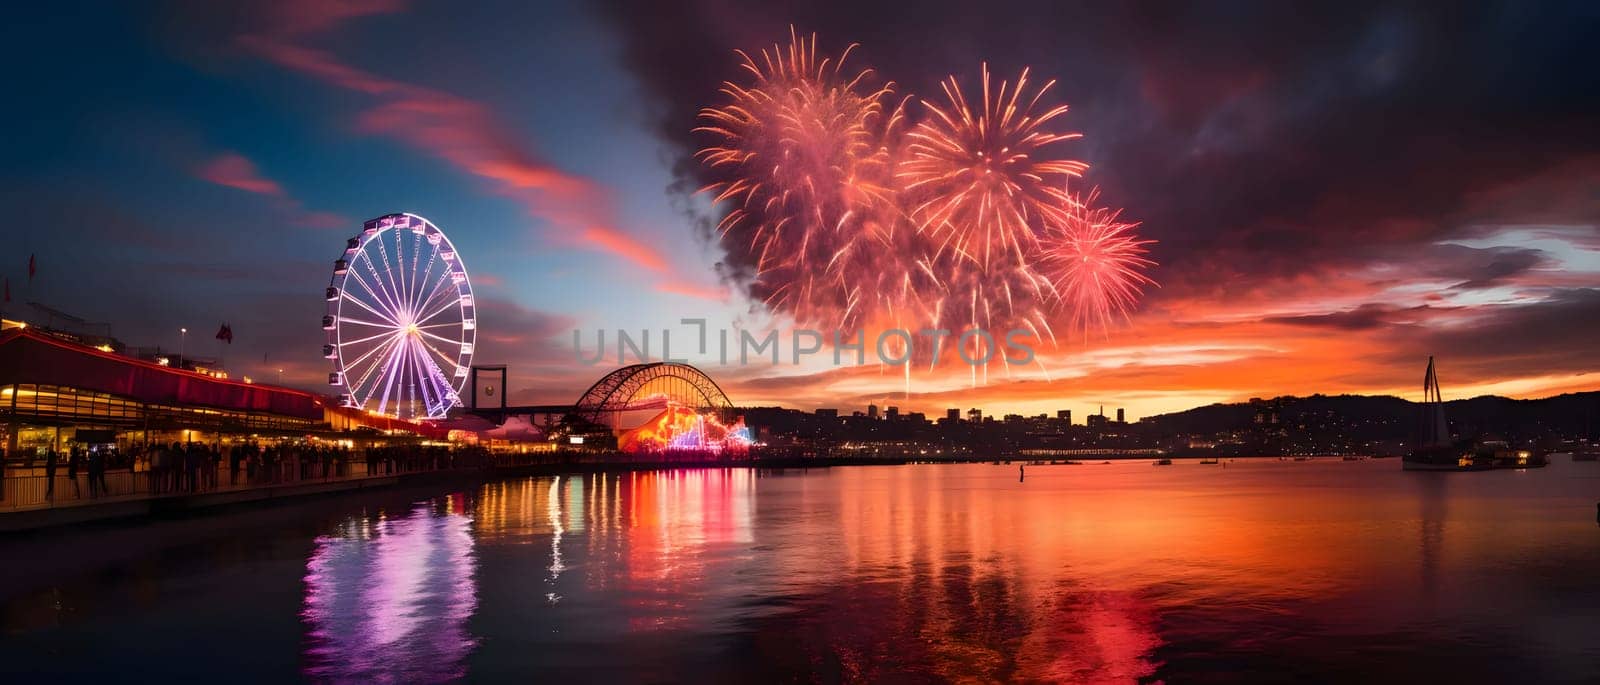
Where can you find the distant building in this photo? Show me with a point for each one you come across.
(872, 411)
(893, 414)
(1120, 418)
(975, 415)
(1064, 415)
(1097, 420)
(828, 413)
(953, 415)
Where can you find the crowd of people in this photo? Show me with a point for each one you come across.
(198, 467)
(93, 463)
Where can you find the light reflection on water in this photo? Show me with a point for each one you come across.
(1322, 571)
(1085, 573)
(387, 599)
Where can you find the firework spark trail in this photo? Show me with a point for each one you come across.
(806, 147)
(1097, 263)
(854, 216)
(981, 183)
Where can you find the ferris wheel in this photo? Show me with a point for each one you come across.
(400, 321)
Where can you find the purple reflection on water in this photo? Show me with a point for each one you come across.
(387, 599)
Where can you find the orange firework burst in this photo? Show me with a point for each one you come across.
(1097, 263)
(808, 165)
(982, 182)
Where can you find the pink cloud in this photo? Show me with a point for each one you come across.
(236, 171)
(462, 132)
(714, 293)
(233, 170)
(625, 246)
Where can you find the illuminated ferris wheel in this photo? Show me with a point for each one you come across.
(401, 321)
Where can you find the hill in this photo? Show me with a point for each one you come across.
(1383, 417)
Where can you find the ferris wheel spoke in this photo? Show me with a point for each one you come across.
(391, 369)
(440, 310)
(438, 337)
(427, 275)
(389, 334)
(431, 382)
(434, 293)
(379, 299)
(374, 354)
(416, 370)
(447, 359)
(388, 277)
(416, 258)
(374, 310)
(398, 267)
(388, 300)
(360, 322)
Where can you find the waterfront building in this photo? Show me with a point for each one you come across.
(54, 393)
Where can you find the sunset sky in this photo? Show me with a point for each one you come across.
(1336, 193)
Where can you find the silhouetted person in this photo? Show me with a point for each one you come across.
(191, 465)
(74, 462)
(1020, 474)
(97, 465)
(50, 461)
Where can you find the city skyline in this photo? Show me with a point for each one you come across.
(216, 160)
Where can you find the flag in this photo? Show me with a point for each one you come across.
(225, 334)
(32, 267)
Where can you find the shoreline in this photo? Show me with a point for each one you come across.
(169, 506)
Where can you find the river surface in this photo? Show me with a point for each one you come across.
(1259, 570)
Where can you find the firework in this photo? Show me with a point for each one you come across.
(804, 150)
(849, 215)
(1097, 264)
(983, 183)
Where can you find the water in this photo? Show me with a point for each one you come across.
(1263, 570)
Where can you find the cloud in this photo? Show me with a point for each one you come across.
(695, 290)
(460, 131)
(233, 170)
(625, 246)
(1503, 265)
(1363, 318)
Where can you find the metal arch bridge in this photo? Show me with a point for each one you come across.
(651, 385)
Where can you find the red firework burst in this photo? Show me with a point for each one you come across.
(806, 155)
(982, 181)
(1097, 264)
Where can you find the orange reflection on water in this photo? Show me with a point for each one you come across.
(1089, 573)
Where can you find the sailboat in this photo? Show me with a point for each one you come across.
(1434, 450)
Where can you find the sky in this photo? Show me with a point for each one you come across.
(1336, 191)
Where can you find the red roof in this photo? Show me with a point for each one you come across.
(28, 356)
